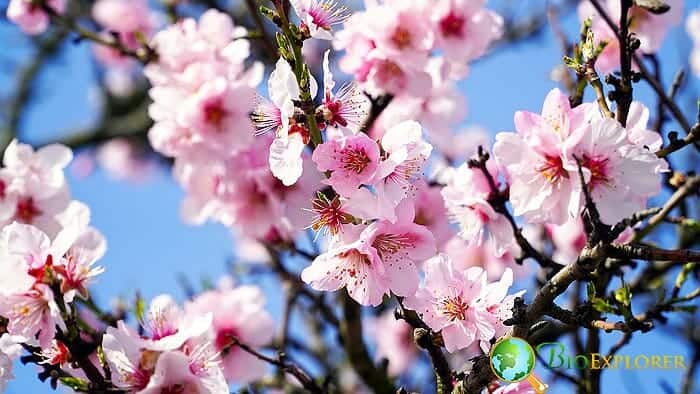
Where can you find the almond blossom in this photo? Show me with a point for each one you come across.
(462, 305)
(242, 192)
(523, 387)
(286, 161)
(238, 315)
(373, 261)
(352, 161)
(465, 29)
(128, 20)
(620, 176)
(319, 16)
(405, 156)
(166, 360)
(202, 91)
(467, 196)
(651, 29)
(542, 188)
(394, 340)
(32, 18)
(346, 108)
(9, 352)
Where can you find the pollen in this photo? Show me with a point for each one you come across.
(455, 308)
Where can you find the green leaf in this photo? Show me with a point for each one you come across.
(653, 6)
(602, 305)
(139, 308)
(76, 384)
(691, 224)
(590, 289)
(683, 275)
(623, 295)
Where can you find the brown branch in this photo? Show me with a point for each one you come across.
(426, 340)
(353, 343)
(281, 362)
(690, 186)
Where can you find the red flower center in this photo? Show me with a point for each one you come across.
(452, 25)
(27, 210)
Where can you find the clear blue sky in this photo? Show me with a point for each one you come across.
(149, 246)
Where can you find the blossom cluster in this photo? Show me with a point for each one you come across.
(191, 349)
(416, 51)
(47, 251)
(305, 156)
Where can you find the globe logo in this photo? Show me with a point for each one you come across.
(512, 359)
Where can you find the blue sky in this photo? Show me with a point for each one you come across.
(149, 246)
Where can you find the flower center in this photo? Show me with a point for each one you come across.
(455, 308)
(3, 188)
(225, 338)
(329, 215)
(402, 38)
(552, 169)
(598, 166)
(214, 114)
(355, 259)
(27, 210)
(390, 244)
(355, 160)
(452, 25)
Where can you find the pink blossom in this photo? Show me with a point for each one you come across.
(467, 196)
(346, 108)
(123, 161)
(460, 304)
(465, 30)
(32, 18)
(523, 387)
(439, 110)
(465, 254)
(430, 211)
(42, 167)
(145, 371)
(285, 158)
(217, 114)
(32, 315)
(9, 351)
(651, 29)
(238, 315)
(541, 186)
(130, 365)
(125, 18)
(381, 259)
(202, 91)
(385, 75)
(401, 31)
(568, 239)
(331, 217)
(405, 155)
(394, 340)
(620, 176)
(352, 161)
(168, 327)
(242, 192)
(319, 16)
(189, 371)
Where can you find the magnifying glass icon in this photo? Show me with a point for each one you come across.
(512, 360)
